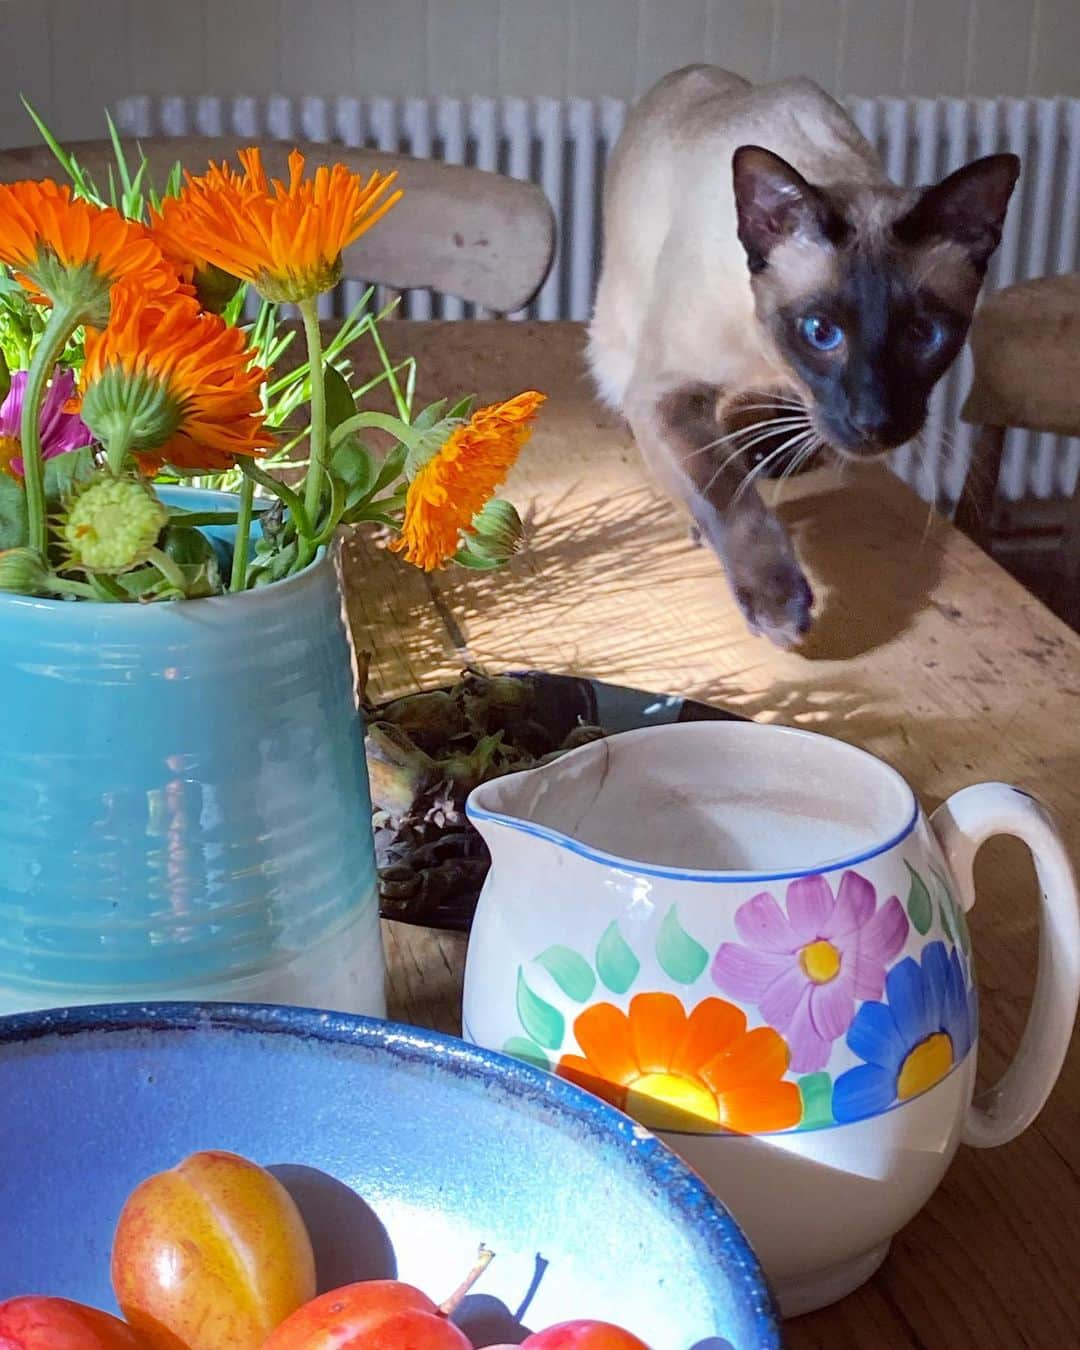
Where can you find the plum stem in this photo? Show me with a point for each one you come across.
(484, 1259)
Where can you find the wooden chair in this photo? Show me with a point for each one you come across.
(466, 232)
(1025, 341)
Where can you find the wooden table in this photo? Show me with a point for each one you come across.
(926, 653)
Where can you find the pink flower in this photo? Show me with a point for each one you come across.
(806, 969)
(60, 431)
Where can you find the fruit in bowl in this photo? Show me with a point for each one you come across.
(403, 1150)
(214, 1253)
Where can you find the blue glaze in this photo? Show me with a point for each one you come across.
(632, 868)
(183, 791)
(449, 1145)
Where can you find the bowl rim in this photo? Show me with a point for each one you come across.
(721, 1238)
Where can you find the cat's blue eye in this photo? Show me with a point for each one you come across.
(927, 334)
(822, 334)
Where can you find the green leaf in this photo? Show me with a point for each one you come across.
(425, 445)
(427, 417)
(14, 529)
(919, 907)
(542, 1022)
(5, 376)
(339, 400)
(679, 955)
(62, 472)
(67, 162)
(354, 464)
(518, 1047)
(616, 964)
(462, 409)
(391, 468)
(143, 581)
(815, 1089)
(571, 972)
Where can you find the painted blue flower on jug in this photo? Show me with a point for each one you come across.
(911, 1040)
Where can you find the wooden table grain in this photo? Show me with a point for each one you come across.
(925, 652)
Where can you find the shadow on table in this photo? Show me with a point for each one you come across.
(870, 585)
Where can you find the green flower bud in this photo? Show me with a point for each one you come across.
(128, 411)
(497, 531)
(215, 288)
(23, 571)
(112, 525)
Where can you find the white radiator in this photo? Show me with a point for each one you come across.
(564, 145)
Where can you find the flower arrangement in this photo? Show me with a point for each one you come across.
(127, 363)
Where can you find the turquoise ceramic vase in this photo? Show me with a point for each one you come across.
(184, 806)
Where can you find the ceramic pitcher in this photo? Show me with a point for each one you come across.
(753, 941)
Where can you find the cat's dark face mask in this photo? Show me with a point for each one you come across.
(868, 295)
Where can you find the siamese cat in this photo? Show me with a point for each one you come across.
(765, 284)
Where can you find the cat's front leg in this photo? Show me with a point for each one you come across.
(678, 433)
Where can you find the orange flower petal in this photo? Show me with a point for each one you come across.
(583, 1073)
(286, 239)
(39, 216)
(759, 1056)
(205, 365)
(603, 1033)
(761, 1108)
(455, 483)
(714, 1025)
(657, 1026)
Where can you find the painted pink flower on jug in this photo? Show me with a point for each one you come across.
(805, 969)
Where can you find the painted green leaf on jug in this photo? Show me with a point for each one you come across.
(948, 902)
(815, 1089)
(679, 955)
(919, 908)
(542, 1022)
(571, 972)
(943, 914)
(520, 1048)
(616, 964)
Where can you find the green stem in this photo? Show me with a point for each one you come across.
(169, 569)
(403, 409)
(118, 442)
(250, 469)
(62, 586)
(316, 473)
(242, 546)
(63, 321)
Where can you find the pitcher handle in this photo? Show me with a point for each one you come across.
(962, 824)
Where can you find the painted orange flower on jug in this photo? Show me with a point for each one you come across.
(700, 1072)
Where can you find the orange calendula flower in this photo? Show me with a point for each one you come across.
(172, 384)
(699, 1073)
(285, 239)
(69, 251)
(448, 491)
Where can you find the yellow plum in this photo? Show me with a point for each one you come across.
(211, 1255)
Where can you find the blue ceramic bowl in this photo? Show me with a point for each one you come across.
(449, 1146)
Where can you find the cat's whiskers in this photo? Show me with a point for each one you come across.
(744, 447)
(748, 478)
(773, 424)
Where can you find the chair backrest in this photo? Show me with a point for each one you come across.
(481, 236)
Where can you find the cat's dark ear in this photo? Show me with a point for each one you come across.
(967, 208)
(774, 202)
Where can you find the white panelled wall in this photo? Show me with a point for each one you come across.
(73, 57)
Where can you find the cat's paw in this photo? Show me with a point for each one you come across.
(778, 605)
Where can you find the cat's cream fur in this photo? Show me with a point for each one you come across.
(681, 330)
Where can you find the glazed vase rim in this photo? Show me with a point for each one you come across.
(13, 599)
